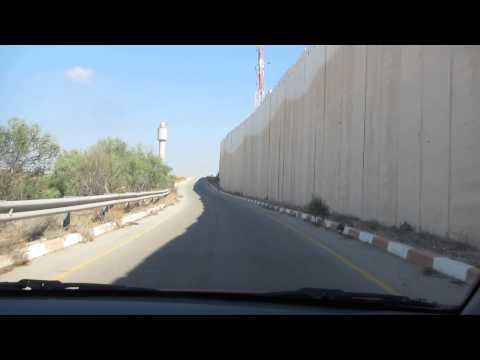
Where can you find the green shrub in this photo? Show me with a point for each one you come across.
(27, 157)
(318, 207)
(110, 166)
(373, 225)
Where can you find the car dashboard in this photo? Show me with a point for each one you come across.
(118, 305)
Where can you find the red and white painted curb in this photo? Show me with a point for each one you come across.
(453, 268)
(43, 247)
(444, 265)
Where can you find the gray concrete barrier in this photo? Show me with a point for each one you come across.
(387, 133)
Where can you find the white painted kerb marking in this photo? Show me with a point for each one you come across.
(365, 237)
(36, 250)
(72, 239)
(99, 230)
(134, 217)
(398, 249)
(328, 223)
(447, 266)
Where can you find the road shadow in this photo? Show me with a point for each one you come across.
(184, 262)
(230, 248)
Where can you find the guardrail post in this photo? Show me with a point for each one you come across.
(66, 220)
(105, 209)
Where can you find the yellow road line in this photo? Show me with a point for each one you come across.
(92, 259)
(341, 258)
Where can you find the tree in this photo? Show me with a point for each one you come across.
(25, 149)
(26, 154)
(109, 166)
(67, 175)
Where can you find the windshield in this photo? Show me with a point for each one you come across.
(246, 169)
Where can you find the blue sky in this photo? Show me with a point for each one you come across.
(81, 94)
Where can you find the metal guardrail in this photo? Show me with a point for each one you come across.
(41, 204)
(18, 210)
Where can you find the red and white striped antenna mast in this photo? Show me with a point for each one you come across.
(260, 68)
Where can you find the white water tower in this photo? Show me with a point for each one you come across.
(162, 139)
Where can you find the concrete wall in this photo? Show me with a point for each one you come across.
(389, 133)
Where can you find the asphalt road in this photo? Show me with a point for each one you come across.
(211, 240)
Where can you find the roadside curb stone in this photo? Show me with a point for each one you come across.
(423, 258)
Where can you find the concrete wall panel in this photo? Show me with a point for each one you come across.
(288, 168)
(409, 136)
(386, 133)
(274, 118)
(435, 144)
(465, 144)
(331, 129)
(314, 97)
(301, 139)
(282, 149)
(373, 129)
(353, 117)
(388, 137)
(318, 66)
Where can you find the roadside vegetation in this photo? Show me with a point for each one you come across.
(109, 166)
(15, 235)
(26, 156)
(33, 166)
(318, 207)
(404, 233)
(214, 180)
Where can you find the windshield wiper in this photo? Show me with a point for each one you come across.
(312, 296)
(53, 285)
(336, 297)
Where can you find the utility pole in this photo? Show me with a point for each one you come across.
(260, 69)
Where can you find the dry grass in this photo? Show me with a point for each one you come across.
(171, 198)
(461, 249)
(8, 242)
(83, 222)
(14, 235)
(406, 234)
(38, 228)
